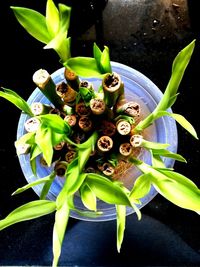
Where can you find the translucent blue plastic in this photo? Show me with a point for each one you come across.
(137, 88)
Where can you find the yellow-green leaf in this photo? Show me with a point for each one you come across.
(33, 22)
(44, 141)
(65, 14)
(61, 220)
(141, 187)
(105, 61)
(84, 66)
(29, 211)
(88, 197)
(184, 123)
(179, 193)
(52, 18)
(17, 100)
(32, 184)
(121, 221)
(106, 190)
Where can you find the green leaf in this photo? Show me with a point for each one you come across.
(168, 154)
(180, 119)
(74, 181)
(97, 55)
(85, 149)
(121, 221)
(61, 220)
(153, 145)
(86, 94)
(17, 100)
(57, 138)
(75, 177)
(102, 59)
(35, 151)
(157, 161)
(179, 65)
(137, 210)
(52, 18)
(43, 140)
(47, 185)
(172, 100)
(30, 185)
(33, 165)
(184, 123)
(33, 22)
(61, 45)
(179, 177)
(105, 61)
(90, 214)
(85, 213)
(28, 138)
(179, 190)
(73, 164)
(178, 68)
(113, 160)
(106, 190)
(173, 186)
(84, 67)
(88, 197)
(29, 211)
(65, 14)
(141, 187)
(56, 123)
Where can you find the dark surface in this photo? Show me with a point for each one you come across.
(145, 35)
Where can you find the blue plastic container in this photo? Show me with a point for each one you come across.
(137, 88)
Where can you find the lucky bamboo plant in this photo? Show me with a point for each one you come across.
(84, 123)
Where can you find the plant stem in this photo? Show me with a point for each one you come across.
(47, 86)
(113, 88)
(72, 79)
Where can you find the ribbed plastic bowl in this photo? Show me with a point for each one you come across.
(138, 88)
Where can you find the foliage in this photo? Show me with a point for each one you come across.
(52, 30)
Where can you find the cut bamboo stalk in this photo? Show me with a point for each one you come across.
(108, 169)
(23, 149)
(125, 149)
(136, 140)
(66, 93)
(59, 146)
(104, 143)
(32, 125)
(70, 155)
(86, 84)
(72, 79)
(70, 119)
(85, 124)
(123, 127)
(43, 162)
(47, 86)
(82, 110)
(113, 88)
(60, 168)
(67, 109)
(38, 108)
(108, 128)
(130, 108)
(97, 106)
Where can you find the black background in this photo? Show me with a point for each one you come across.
(167, 235)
